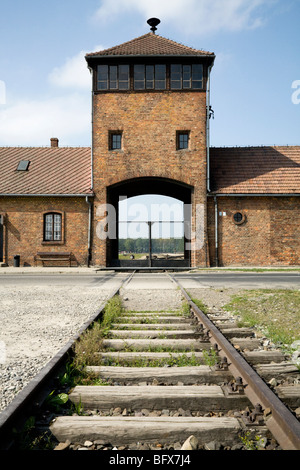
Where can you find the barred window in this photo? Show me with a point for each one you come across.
(52, 227)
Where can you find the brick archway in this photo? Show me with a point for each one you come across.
(143, 186)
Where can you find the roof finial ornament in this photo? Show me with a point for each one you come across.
(153, 22)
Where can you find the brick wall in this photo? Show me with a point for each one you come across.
(149, 122)
(23, 229)
(268, 236)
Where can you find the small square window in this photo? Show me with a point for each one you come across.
(115, 141)
(183, 138)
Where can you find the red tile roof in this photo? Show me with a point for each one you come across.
(67, 170)
(255, 170)
(60, 170)
(150, 44)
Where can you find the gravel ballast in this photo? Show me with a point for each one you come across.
(35, 325)
(37, 322)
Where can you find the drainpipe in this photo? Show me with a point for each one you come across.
(208, 129)
(92, 146)
(89, 230)
(216, 232)
(89, 255)
(92, 124)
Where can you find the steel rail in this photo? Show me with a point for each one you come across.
(283, 425)
(31, 397)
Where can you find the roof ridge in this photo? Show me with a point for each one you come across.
(117, 45)
(182, 45)
(125, 48)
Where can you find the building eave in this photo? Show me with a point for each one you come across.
(47, 195)
(215, 194)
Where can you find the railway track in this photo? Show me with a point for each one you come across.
(182, 380)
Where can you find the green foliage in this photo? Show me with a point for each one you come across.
(159, 245)
(200, 305)
(185, 309)
(250, 444)
(90, 341)
(275, 311)
(56, 401)
(210, 357)
(112, 311)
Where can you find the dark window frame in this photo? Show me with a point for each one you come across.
(115, 140)
(150, 78)
(112, 75)
(186, 77)
(182, 140)
(148, 84)
(238, 218)
(53, 237)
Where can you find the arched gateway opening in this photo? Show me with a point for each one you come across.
(156, 227)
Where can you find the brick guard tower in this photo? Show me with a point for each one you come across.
(150, 132)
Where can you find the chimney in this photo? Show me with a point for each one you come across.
(54, 142)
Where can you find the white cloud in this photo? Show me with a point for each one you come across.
(74, 73)
(33, 123)
(2, 92)
(192, 16)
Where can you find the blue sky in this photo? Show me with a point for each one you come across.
(45, 87)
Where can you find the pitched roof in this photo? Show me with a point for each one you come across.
(67, 170)
(150, 44)
(255, 170)
(52, 170)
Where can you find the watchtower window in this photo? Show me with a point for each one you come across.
(115, 140)
(182, 138)
(113, 77)
(150, 77)
(185, 77)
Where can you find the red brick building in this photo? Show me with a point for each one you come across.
(151, 111)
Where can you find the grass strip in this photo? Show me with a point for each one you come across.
(275, 311)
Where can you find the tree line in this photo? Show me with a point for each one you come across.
(159, 245)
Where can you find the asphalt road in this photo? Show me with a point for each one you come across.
(158, 280)
(240, 279)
